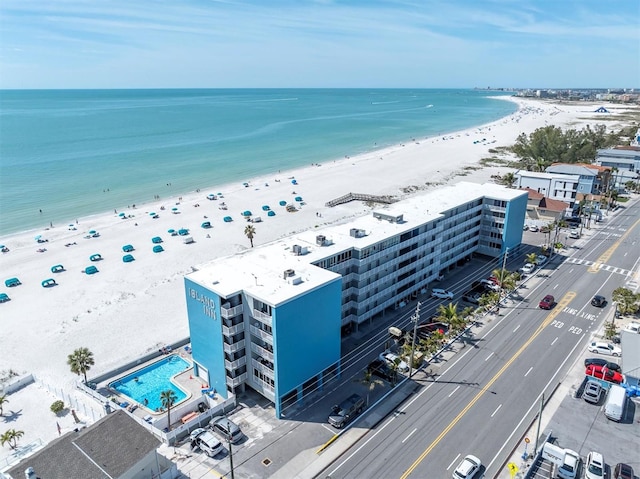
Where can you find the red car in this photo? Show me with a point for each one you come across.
(547, 302)
(601, 372)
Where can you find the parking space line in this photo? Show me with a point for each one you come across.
(410, 434)
(453, 462)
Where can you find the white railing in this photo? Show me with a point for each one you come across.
(262, 334)
(237, 381)
(235, 364)
(232, 348)
(262, 368)
(231, 330)
(264, 317)
(227, 313)
(262, 352)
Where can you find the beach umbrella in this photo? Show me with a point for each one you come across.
(174, 209)
(121, 214)
(246, 213)
(92, 232)
(271, 213)
(37, 237)
(283, 203)
(152, 214)
(2, 246)
(219, 194)
(171, 230)
(298, 198)
(265, 208)
(183, 231)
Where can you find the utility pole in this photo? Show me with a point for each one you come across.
(415, 318)
(535, 448)
(504, 266)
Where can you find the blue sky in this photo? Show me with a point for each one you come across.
(319, 43)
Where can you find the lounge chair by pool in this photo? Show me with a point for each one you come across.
(4, 297)
(11, 282)
(95, 257)
(58, 268)
(158, 249)
(156, 240)
(47, 283)
(128, 258)
(91, 270)
(127, 248)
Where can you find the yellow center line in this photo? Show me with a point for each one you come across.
(558, 309)
(595, 267)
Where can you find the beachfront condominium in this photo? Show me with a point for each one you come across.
(271, 317)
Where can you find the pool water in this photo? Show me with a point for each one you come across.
(148, 382)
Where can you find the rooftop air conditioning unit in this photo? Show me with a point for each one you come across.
(297, 249)
(294, 280)
(288, 272)
(320, 239)
(357, 233)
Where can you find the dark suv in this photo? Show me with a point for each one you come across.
(380, 369)
(343, 413)
(598, 301)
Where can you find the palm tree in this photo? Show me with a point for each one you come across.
(489, 300)
(532, 258)
(448, 314)
(371, 383)
(250, 232)
(81, 361)
(11, 437)
(508, 179)
(168, 399)
(3, 401)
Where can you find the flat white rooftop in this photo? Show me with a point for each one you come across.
(260, 271)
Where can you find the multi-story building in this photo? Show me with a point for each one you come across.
(624, 161)
(271, 317)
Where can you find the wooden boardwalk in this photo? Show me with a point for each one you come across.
(360, 197)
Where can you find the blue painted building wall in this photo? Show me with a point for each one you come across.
(515, 213)
(205, 328)
(306, 334)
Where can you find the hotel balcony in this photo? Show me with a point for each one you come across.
(227, 312)
(232, 348)
(238, 363)
(263, 368)
(262, 317)
(232, 330)
(265, 353)
(262, 334)
(235, 382)
(266, 389)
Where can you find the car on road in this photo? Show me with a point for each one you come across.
(598, 301)
(528, 268)
(468, 468)
(392, 360)
(441, 293)
(600, 347)
(623, 471)
(381, 369)
(204, 440)
(547, 302)
(592, 392)
(228, 429)
(602, 362)
(601, 372)
(594, 468)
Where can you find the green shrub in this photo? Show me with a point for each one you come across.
(57, 407)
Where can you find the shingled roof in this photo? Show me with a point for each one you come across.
(106, 450)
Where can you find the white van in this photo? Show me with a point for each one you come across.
(616, 400)
(567, 461)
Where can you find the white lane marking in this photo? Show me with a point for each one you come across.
(527, 373)
(554, 341)
(494, 412)
(517, 327)
(405, 439)
(489, 356)
(453, 392)
(453, 462)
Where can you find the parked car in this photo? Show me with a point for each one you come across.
(341, 414)
(604, 348)
(547, 302)
(598, 301)
(601, 372)
(592, 392)
(602, 362)
(633, 327)
(533, 228)
(392, 359)
(623, 471)
(574, 234)
(528, 268)
(541, 259)
(381, 369)
(473, 298)
(467, 468)
(441, 293)
(204, 440)
(491, 285)
(594, 468)
(228, 429)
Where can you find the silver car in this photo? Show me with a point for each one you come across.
(592, 392)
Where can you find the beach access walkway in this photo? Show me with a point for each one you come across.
(360, 197)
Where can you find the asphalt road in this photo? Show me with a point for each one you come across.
(486, 397)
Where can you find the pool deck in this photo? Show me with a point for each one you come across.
(186, 380)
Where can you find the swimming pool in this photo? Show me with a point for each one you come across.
(148, 382)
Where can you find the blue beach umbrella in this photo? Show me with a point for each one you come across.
(121, 214)
(283, 203)
(92, 232)
(171, 230)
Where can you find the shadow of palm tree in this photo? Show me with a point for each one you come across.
(12, 416)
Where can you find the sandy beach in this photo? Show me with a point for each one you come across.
(127, 309)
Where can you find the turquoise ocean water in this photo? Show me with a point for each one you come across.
(73, 153)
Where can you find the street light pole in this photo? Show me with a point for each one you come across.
(415, 318)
